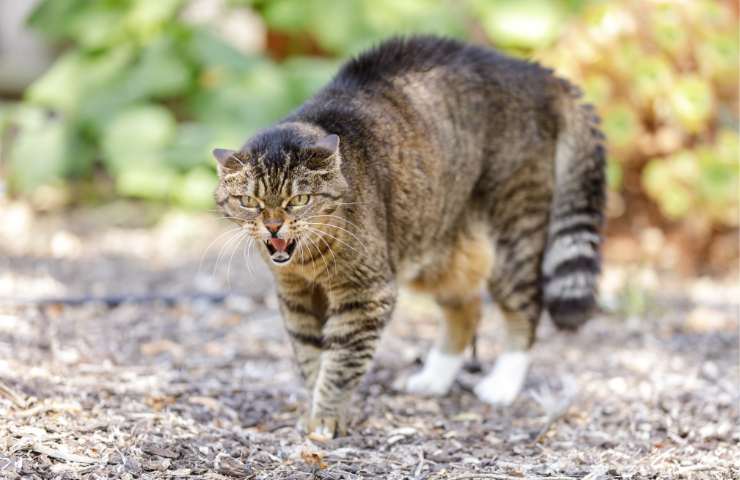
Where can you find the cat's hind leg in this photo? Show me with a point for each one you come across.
(456, 284)
(446, 356)
(502, 385)
(516, 287)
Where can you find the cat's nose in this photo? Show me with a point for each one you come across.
(273, 225)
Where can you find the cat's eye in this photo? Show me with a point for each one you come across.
(299, 201)
(249, 202)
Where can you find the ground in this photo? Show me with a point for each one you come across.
(189, 375)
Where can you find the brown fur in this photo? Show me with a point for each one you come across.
(422, 158)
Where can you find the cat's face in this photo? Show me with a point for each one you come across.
(282, 192)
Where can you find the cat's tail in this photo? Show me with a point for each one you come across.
(572, 260)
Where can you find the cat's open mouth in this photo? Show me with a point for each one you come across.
(280, 249)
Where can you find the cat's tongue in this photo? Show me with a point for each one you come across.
(279, 244)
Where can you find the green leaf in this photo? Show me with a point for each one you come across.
(138, 135)
(306, 76)
(719, 56)
(196, 189)
(45, 149)
(669, 29)
(91, 24)
(207, 51)
(252, 100)
(160, 72)
(287, 15)
(692, 102)
(149, 182)
(652, 75)
(76, 75)
(621, 125)
(145, 17)
(191, 147)
(520, 23)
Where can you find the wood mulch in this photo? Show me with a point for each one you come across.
(189, 375)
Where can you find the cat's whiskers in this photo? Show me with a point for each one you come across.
(313, 263)
(335, 216)
(344, 230)
(242, 236)
(245, 254)
(320, 232)
(307, 237)
(223, 250)
(348, 224)
(328, 247)
(203, 255)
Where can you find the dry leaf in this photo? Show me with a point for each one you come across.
(313, 458)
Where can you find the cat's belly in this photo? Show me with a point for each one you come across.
(460, 270)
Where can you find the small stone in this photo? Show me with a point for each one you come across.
(156, 464)
(226, 465)
(159, 451)
(239, 303)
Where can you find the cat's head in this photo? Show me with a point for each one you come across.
(281, 188)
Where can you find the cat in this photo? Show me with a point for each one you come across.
(432, 163)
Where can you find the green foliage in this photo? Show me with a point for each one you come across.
(664, 76)
(520, 23)
(145, 93)
(344, 27)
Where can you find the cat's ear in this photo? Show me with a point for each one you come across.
(228, 161)
(324, 153)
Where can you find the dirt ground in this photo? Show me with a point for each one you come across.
(128, 351)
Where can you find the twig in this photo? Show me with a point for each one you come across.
(54, 407)
(14, 397)
(420, 466)
(61, 454)
(694, 468)
(114, 300)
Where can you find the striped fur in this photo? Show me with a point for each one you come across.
(572, 259)
(433, 163)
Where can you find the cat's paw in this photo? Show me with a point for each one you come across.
(503, 384)
(322, 429)
(427, 383)
(437, 376)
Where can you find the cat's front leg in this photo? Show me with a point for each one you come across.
(303, 316)
(355, 321)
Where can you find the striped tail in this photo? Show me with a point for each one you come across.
(572, 260)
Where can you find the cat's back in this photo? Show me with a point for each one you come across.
(442, 62)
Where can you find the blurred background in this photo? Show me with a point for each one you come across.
(119, 102)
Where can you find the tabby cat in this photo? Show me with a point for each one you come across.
(431, 163)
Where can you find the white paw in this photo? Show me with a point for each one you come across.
(323, 432)
(437, 376)
(504, 383)
(424, 383)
